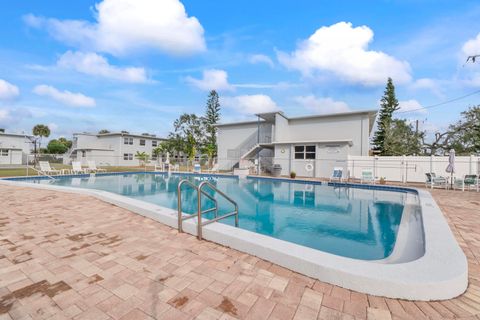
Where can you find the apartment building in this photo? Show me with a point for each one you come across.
(112, 149)
(14, 148)
(310, 145)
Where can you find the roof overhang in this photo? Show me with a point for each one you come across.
(341, 141)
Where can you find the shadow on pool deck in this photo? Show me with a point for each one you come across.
(71, 256)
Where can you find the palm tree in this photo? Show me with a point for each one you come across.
(39, 131)
(143, 157)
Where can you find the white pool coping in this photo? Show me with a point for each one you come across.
(440, 273)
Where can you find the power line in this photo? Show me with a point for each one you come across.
(441, 103)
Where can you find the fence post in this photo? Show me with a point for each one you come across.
(431, 163)
(404, 169)
(375, 158)
(470, 169)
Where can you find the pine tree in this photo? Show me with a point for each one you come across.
(388, 105)
(212, 116)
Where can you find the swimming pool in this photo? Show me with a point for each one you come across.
(350, 222)
(388, 241)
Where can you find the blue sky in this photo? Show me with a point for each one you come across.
(137, 64)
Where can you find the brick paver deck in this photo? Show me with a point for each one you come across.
(66, 256)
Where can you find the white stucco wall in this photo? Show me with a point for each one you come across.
(18, 147)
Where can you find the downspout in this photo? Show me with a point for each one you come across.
(258, 142)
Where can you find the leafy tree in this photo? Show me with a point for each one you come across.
(143, 157)
(56, 147)
(66, 142)
(402, 139)
(465, 137)
(103, 131)
(388, 105)
(212, 116)
(59, 146)
(188, 135)
(462, 136)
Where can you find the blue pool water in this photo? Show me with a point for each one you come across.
(352, 222)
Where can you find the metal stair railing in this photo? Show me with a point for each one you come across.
(200, 191)
(39, 172)
(200, 224)
(182, 218)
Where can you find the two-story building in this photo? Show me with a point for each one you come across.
(311, 146)
(112, 149)
(14, 148)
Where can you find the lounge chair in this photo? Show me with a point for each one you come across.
(197, 168)
(77, 168)
(433, 181)
(337, 174)
(469, 181)
(46, 169)
(367, 176)
(92, 167)
(213, 169)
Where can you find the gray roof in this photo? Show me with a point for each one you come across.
(153, 137)
(269, 115)
(15, 135)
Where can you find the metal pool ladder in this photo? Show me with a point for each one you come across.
(200, 191)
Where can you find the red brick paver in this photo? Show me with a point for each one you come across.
(66, 256)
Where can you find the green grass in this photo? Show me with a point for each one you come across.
(22, 172)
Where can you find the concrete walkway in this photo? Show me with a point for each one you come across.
(65, 256)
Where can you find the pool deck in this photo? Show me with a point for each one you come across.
(70, 256)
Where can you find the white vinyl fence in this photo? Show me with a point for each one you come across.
(411, 168)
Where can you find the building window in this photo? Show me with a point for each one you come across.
(154, 143)
(142, 142)
(305, 152)
(84, 154)
(4, 152)
(128, 156)
(128, 141)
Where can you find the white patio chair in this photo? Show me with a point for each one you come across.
(367, 176)
(92, 167)
(46, 169)
(77, 168)
(433, 181)
(337, 174)
(469, 182)
(197, 168)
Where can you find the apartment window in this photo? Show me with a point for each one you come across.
(4, 152)
(305, 152)
(142, 142)
(154, 143)
(128, 141)
(128, 156)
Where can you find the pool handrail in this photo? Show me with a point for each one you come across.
(181, 218)
(200, 224)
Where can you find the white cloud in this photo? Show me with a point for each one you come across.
(261, 58)
(322, 105)
(428, 84)
(97, 65)
(250, 104)
(343, 51)
(411, 106)
(472, 46)
(8, 91)
(13, 116)
(212, 79)
(65, 97)
(123, 26)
